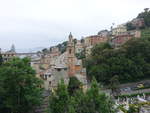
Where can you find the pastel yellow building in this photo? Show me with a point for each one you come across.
(119, 30)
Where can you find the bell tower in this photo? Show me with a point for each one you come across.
(13, 48)
(71, 56)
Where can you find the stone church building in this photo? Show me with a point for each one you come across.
(61, 67)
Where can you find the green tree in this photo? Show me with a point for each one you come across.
(130, 26)
(1, 59)
(74, 85)
(146, 16)
(98, 101)
(72, 105)
(133, 109)
(114, 85)
(63, 46)
(75, 41)
(91, 101)
(97, 49)
(130, 62)
(59, 100)
(45, 51)
(81, 55)
(19, 88)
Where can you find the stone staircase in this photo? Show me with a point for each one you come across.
(44, 106)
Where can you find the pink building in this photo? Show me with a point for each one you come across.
(95, 39)
(121, 39)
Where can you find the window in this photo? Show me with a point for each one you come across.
(58, 69)
(50, 82)
(69, 51)
(45, 77)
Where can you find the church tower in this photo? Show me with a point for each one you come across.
(13, 50)
(71, 56)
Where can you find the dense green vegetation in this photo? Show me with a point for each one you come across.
(81, 55)
(130, 62)
(45, 51)
(91, 101)
(146, 16)
(19, 88)
(130, 26)
(74, 85)
(1, 59)
(145, 33)
(62, 47)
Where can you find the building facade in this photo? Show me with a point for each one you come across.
(138, 22)
(94, 39)
(120, 29)
(79, 47)
(124, 37)
(8, 54)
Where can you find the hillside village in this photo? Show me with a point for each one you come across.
(67, 59)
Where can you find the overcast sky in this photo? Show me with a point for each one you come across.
(43, 23)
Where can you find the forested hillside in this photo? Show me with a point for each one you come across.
(130, 62)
